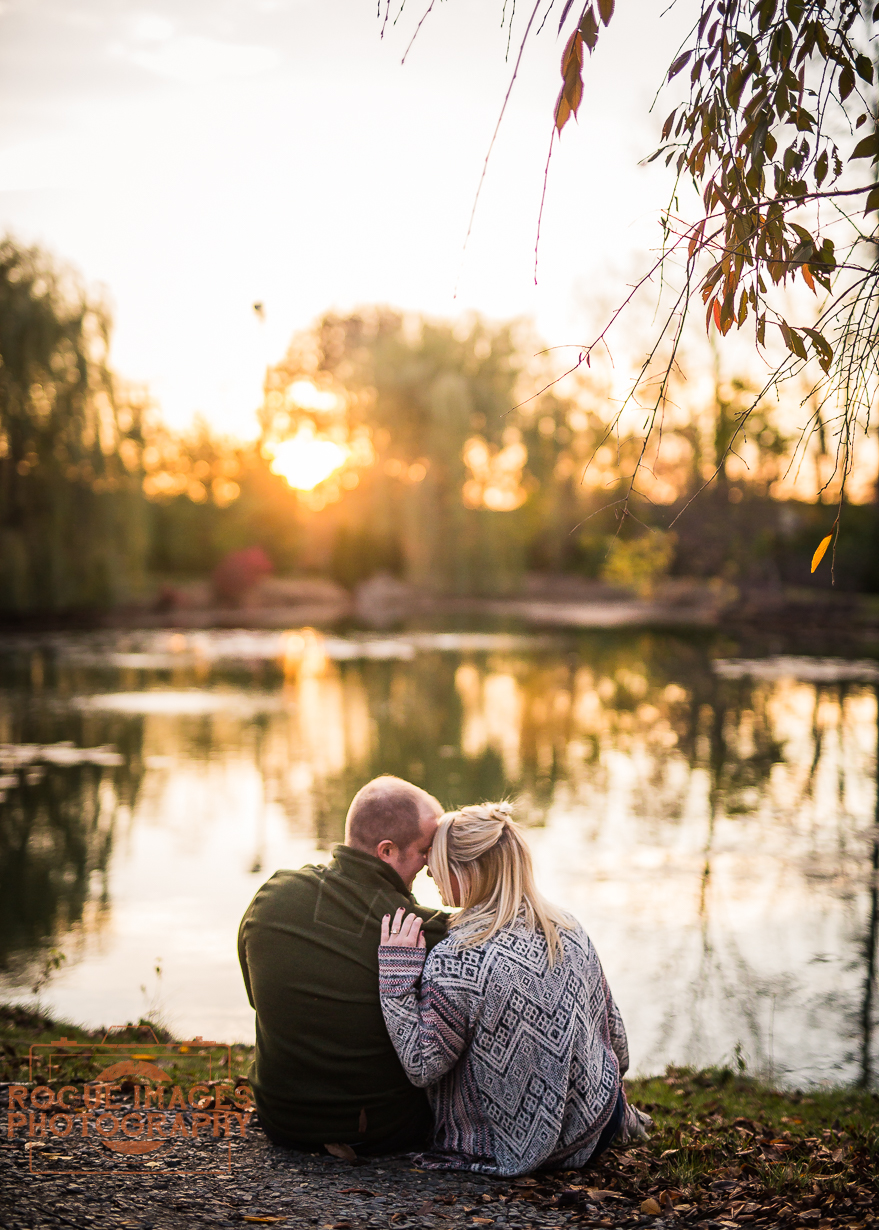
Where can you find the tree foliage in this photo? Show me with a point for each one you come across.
(70, 501)
(778, 134)
(780, 117)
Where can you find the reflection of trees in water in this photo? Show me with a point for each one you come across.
(57, 828)
(871, 939)
(625, 729)
(413, 729)
(741, 721)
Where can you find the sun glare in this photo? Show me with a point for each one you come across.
(306, 460)
(308, 397)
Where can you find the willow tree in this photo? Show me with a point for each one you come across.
(71, 532)
(776, 131)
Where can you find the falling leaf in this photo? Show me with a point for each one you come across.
(820, 552)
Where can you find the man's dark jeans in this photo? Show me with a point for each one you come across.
(415, 1135)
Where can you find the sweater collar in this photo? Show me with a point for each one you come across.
(358, 865)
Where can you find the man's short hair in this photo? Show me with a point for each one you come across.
(385, 809)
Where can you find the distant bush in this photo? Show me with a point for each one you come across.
(638, 563)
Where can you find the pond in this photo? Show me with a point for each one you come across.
(711, 820)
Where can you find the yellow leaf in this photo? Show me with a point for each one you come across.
(651, 1207)
(819, 554)
(562, 111)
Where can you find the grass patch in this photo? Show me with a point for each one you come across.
(727, 1149)
(93, 1050)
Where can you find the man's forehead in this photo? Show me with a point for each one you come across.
(431, 810)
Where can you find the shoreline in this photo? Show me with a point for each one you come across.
(728, 1151)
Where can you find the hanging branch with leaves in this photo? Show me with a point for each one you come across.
(779, 138)
(779, 121)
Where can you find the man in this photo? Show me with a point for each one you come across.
(325, 1070)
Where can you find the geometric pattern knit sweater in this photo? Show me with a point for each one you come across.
(522, 1062)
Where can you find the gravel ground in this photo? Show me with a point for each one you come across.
(266, 1185)
(811, 1164)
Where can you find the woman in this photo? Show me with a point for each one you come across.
(509, 1022)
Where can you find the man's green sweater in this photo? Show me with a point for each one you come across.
(325, 1069)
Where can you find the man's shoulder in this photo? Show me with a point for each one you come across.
(288, 888)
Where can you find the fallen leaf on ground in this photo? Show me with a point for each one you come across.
(356, 1191)
(345, 1152)
(253, 1217)
(651, 1207)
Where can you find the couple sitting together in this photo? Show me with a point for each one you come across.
(366, 1001)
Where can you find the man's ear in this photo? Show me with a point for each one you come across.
(384, 849)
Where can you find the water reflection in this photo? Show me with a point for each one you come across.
(711, 820)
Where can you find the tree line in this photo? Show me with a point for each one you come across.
(464, 466)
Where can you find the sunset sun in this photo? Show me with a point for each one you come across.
(305, 460)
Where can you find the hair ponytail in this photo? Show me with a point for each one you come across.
(486, 851)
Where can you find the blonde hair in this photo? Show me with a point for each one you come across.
(486, 851)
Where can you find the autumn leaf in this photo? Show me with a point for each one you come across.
(680, 62)
(589, 29)
(650, 1207)
(821, 550)
(868, 147)
(345, 1152)
(605, 11)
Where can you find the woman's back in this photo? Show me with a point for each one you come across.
(521, 1057)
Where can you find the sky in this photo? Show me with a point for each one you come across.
(193, 158)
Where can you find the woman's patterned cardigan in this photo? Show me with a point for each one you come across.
(521, 1062)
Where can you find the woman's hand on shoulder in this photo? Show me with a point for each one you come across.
(402, 932)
